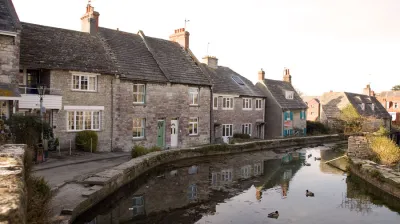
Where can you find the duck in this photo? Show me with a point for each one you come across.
(306, 164)
(317, 158)
(309, 155)
(309, 194)
(274, 215)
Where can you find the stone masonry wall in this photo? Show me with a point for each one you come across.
(9, 58)
(102, 97)
(358, 147)
(163, 102)
(13, 198)
(238, 116)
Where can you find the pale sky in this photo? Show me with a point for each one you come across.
(338, 45)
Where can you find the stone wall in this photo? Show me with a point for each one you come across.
(62, 80)
(358, 147)
(239, 116)
(9, 58)
(162, 102)
(13, 201)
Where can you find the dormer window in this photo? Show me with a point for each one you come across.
(362, 106)
(289, 95)
(373, 107)
(238, 80)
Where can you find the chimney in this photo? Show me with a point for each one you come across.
(286, 76)
(261, 75)
(368, 91)
(90, 21)
(211, 61)
(181, 37)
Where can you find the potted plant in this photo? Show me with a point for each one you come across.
(57, 144)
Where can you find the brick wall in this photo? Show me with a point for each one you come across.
(102, 97)
(9, 58)
(358, 147)
(165, 102)
(313, 111)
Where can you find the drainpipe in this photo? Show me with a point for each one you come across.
(112, 113)
(212, 129)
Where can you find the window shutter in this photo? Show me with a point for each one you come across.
(284, 116)
(304, 115)
(291, 115)
(284, 133)
(305, 131)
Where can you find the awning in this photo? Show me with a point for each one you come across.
(9, 92)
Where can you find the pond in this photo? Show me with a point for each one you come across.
(245, 188)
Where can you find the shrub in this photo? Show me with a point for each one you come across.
(241, 136)
(85, 139)
(386, 150)
(382, 131)
(28, 129)
(154, 149)
(316, 128)
(138, 150)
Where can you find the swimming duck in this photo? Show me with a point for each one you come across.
(306, 164)
(309, 194)
(274, 215)
(317, 158)
(309, 155)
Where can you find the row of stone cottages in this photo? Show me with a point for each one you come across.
(135, 89)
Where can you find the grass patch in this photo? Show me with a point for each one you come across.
(139, 150)
(387, 152)
(377, 175)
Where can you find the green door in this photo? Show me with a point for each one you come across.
(160, 133)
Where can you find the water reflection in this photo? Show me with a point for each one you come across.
(242, 188)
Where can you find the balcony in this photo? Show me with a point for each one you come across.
(52, 99)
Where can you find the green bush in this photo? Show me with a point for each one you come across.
(316, 128)
(138, 150)
(85, 139)
(28, 129)
(382, 131)
(386, 150)
(154, 149)
(241, 136)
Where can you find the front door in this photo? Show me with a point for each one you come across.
(174, 133)
(160, 133)
(226, 132)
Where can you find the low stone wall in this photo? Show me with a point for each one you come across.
(103, 184)
(13, 201)
(358, 147)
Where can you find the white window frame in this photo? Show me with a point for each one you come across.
(247, 104)
(138, 93)
(228, 127)
(139, 207)
(83, 120)
(258, 104)
(245, 171)
(192, 124)
(192, 192)
(88, 76)
(362, 105)
(395, 105)
(192, 93)
(226, 175)
(248, 127)
(215, 102)
(143, 127)
(257, 169)
(289, 95)
(227, 103)
(214, 178)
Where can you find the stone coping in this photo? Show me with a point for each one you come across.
(100, 185)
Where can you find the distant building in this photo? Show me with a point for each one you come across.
(285, 110)
(391, 101)
(313, 111)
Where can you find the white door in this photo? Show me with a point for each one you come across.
(174, 133)
(226, 132)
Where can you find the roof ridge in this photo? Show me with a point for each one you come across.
(110, 54)
(13, 13)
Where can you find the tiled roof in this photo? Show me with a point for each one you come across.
(176, 63)
(223, 83)
(388, 94)
(44, 47)
(131, 56)
(277, 90)
(333, 102)
(307, 99)
(8, 17)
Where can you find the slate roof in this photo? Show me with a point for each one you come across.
(223, 82)
(389, 94)
(333, 102)
(8, 17)
(44, 47)
(277, 90)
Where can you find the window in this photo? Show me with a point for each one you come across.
(388, 105)
(138, 127)
(289, 95)
(312, 113)
(227, 103)
(226, 175)
(83, 120)
(238, 80)
(246, 129)
(227, 130)
(362, 106)
(312, 105)
(3, 110)
(372, 107)
(215, 103)
(194, 96)
(137, 205)
(194, 126)
(396, 105)
(257, 169)
(192, 192)
(247, 103)
(302, 115)
(139, 93)
(193, 170)
(258, 104)
(84, 82)
(245, 171)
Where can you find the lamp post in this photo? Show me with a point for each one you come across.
(41, 91)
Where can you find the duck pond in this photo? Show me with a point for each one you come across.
(246, 188)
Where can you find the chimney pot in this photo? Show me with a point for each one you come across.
(181, 36)
(261, 75)
(287, 77)
(211, 61)
(90, 21)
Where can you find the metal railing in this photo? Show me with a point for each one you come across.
(30, 90)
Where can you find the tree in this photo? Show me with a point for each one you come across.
(396, 88)
(299, 92)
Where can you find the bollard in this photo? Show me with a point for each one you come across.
(70, 146)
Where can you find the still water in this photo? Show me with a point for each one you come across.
(245, 188)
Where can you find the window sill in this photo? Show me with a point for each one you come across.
(139, 139)
(258, 108)
(196, 135)
(84, 91)
(139, 104)
(74, 131)
(247, 108)
(194, 105)
(227, 108)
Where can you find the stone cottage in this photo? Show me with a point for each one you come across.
(10, 31)
(332, 104)
(237, 105)
(286, 111)
(129, 88)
